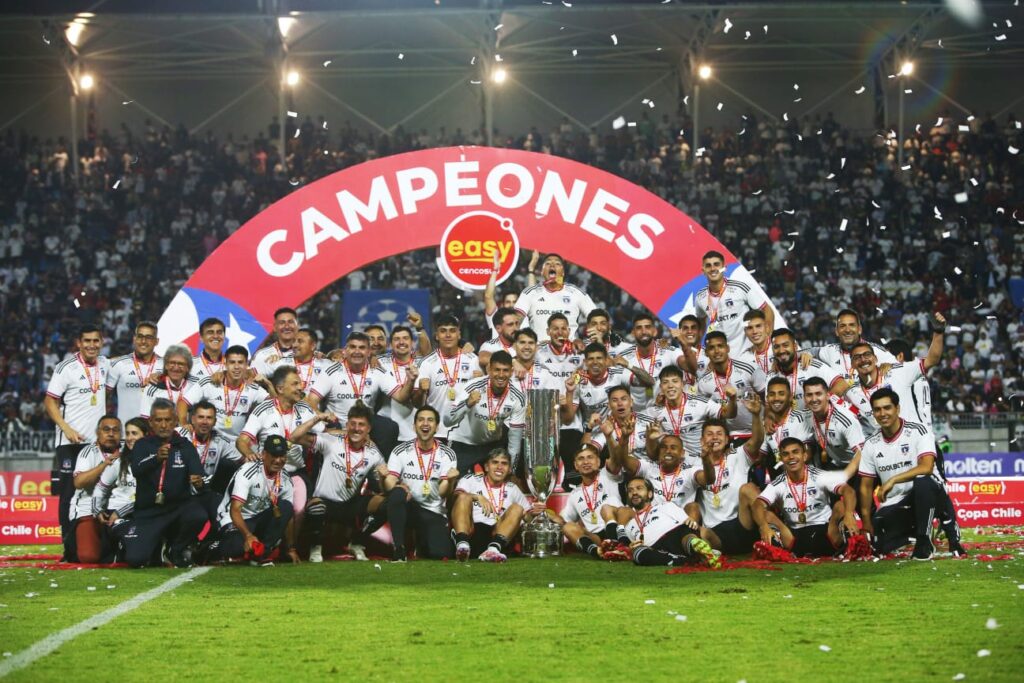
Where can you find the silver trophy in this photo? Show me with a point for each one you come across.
(541, 536)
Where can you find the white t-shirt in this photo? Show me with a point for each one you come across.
(678, 488)
(884, 458)
(561, 366)
(340, 388)
(653, 522)
(309, 372)
(836, 358)
(128, 377)
(405, 463)
(447, 374)
(470, 424)
(256, 490)
(267, 419)
(401, 414)
(496, 344)
(818, 507)
(840, 433)
(343, 465)
(233, 405)
(538, 303)
(114, 491)
(728, 480)
(744, 377)
(201, 367)
(797, 426)
(82, 392)
(637, 446)
(167, 391)
(593, 398)
(213, 451)
(585, 501)
(796, 383)
(724, 312)
(901, 378)
(761, 361)
(261, 360)
(501, 497)
(686, 420)
(643, 397)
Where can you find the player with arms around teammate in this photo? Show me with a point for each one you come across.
(488, 511)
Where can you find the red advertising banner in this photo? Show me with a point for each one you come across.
(983, 502)
(29, 520)
(24, 484)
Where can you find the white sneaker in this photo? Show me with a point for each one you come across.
(492, 555)
(462, 551)
(359, 552)
(316, 554)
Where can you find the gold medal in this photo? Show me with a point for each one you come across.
(641, 538)
(794, 404)
(802, 518)
(348, 483)
(93, 401)
(451, 394)
(716, 501)
(593, 518)
(227, 422)
(492, 425)
(159, 498)
(426, 489)
(277, 511)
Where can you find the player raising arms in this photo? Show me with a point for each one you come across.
(588, 518)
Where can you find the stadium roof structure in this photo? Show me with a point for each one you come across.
(428, 62)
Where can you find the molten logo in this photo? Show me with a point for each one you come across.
(471, 246)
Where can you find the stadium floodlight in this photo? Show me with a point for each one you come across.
(704, 71)
(499, 76)
(907, 68)
(292, 78)
(284, 25)
(73, 33)
(87, 81)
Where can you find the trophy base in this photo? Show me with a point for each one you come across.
(542, 540)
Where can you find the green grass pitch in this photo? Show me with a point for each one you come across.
(561, 619)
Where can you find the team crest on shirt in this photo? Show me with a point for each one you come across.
(566, 300)
(832, 434)
(905, 448)
(178, 460)
(244, 401)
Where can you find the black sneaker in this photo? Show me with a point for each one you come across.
(399, 555)
(923, 549)
(957, 549)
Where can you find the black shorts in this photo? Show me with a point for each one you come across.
(483, 534)
(736, 539)
(812, 541)
(672, 540)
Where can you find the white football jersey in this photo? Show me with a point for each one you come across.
(447, 374)
(88, 458)
(501, 497)
(410, 466)
(637, 440)
(481, 423)
(884, 458)
(644, 397)
(654, 521)
(309, 372)
(678, 488)
(902, 378)
(344, 468)
(592, 399)
(744, 377)
(268, 418)
(401, 414)
(729, 477)
(724, 312)
(264, 360)
(340, 388)
(584, 502)
(796, 425)
(561, 365)
(836, 358)
(215, 449)
(233, 404)
(256, 489)
(538, 303)
(115, 491)
(838, 433)
(760, 360)
(203, 367)
(813, 493)
(82, 392)
(796, 380)
(128, 378)
(686, 420)
(496, 344)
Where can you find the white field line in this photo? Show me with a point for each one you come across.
(53, 641)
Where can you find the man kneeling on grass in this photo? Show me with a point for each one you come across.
(812, 526)
(661, 534)
(488, 511)
(256, 513)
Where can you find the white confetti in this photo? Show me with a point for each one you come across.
(766, 29)
(90, 588)
(499, 27)
(720, 106)
(860, 90)
(376, 566)
(728, 25)
(117, 183)
(974, 182)
(327, 63)
(939, 122)
(77, 305)
(908, 91)
(991, 624)
(964, 128)
(574, 52)
(984, 653)
(757, 193)
(1012, 150)
(31, 595)
(960, 197)
(401, 55)
(825, 648)
(746, 35)
(293, 114)
(1020, 586)
(648, 602)
(945, 235)
(830, 176)
(111, 587)
(125, 102)
(842, 226)
(551, 585)
(680, 617)
(842, 163)
(631, 124)
(959, 677)
(53, 585)
(787, 596)
(1001, 36)
(905, 167)
(615, 39)
(957, 270)
(785, 116)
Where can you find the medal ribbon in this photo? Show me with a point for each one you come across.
(762, 358)
(498, 506)
(358, 391)
(143, 379)
(274, 488)
(642, 522)
(206, 450)
(591, 503)
(211, 368)
(419, 458)
(801, 502)
(492, 412)
(713, 312)
(170, 392)
(529, 379)
(821, 433)
(722, 385)
(349, 467)
(668, 492)
(452, 377)
(632, 435)
(720, 475)
(308, 379)
(284, 422)
(94, 385)
(229, 408)
(677, 425)
(653, 357)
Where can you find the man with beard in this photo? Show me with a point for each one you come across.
(286, 325)
(210, 360)
(796, 373)
(398, 364)
(588, 519)
(723, 302)
(527, 372)
(660, 533)
(447, 370)
(695, 361)
(598, 330)
(849, 332)
(782, 421)
(234, 397)
(130, 375)
(488, 511)
(723, 373)
(671, 477)
(623, 430)
(506, 322)
(421, 473)
(553, 295)
(902, 457)
(217, 454)
(479, 411)
(173, 383)
(589, 391)
(836, 429)
(682, 415)
(651, 357)
(310, 365)
(811, 525)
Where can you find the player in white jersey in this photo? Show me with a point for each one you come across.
(282, 415)
(660, 533)
(217, 454)
(836, 429)
(173, 383)
(726, 496)
(488, 511)
(849, 332)
(508, 299)
(527, 371)
(722, 303)
(421, 473)
(901, 456)
(559, 357)
(811, 525)
(309, 364)
(553, 295)
(922, 389)
(85, 544)
(76, 397)
(757, 347)
(256, 515)
(113, 498)
(598, 330)
(130, 375)
(588, 518)
(670, 477)
(587, 392)
(398, 364)
(794, 369)
(900, 377)
(210, 360)
(479, 412)
(349, 462)
(286, 326)
(695, 360)
(626, 431)
(353, 380)
(682, 415)
(505, 322)
(444, 372)
(650, 357)
(233, 397)
(782, 421)
(723, 373)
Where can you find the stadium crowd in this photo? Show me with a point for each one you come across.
(823, 214)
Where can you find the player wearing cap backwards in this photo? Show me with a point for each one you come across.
(812, 525)
(256, 513)
(588, 518)
(660, 533)
(553, 295)
(348, 462)
(722, 304)
(488, 511)
(421, 473)
(902, 457)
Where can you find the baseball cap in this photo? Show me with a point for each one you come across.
(276, 445)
